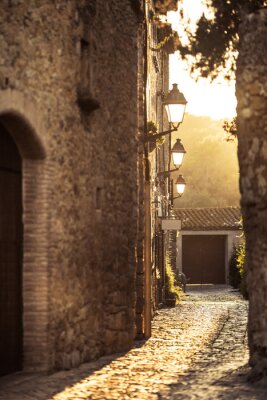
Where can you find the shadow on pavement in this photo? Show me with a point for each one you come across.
(20, 386)
(232, 386)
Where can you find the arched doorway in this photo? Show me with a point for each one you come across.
(23, 135)
(11, 250)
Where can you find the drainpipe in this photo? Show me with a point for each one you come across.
(147, 242)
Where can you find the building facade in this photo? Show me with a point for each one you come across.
(75, 99)
(69, 195)
(156, 41)
(206, 241)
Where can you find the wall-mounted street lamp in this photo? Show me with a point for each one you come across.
(175, 104)
(180, 186)
(177, 152)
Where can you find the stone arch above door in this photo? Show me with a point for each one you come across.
(22, 119)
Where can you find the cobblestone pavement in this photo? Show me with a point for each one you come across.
(197, 351)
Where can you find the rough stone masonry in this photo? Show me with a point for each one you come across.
(252, 149)
(68, 97)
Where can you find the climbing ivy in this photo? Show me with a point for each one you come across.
(172, 290)
(241, 265)
(152, 129)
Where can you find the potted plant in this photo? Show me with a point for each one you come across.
(152, 129)
(173, 293)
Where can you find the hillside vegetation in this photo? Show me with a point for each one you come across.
(210, 166)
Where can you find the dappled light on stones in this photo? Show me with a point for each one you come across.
(125, 213)
(197, 350)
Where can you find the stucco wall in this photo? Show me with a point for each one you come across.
(50, 52)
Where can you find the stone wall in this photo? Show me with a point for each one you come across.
(158, 86)
(140, 273)
(252, 149)
(77, 62)
(153, 64)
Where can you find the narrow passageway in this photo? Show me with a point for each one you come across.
(198, 350)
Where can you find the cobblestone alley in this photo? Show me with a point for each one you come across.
(198, 351)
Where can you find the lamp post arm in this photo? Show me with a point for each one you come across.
(153, 138)
(177, 197)
(167, 173)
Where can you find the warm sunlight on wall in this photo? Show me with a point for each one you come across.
(216, 100)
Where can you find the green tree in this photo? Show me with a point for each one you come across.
(230, 129)
(214, 45)
(241, 265)
(234, 272)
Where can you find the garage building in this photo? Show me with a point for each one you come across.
(205, 242)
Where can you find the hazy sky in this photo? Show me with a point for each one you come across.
(216, 100)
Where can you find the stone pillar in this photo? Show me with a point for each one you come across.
(252, 152)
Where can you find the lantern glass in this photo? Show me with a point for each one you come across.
(180, 185)
(177, 159)
(175, 104)
(175, 113)
(178, 152)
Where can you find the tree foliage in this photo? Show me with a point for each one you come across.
(241, 265)
(172, 290)
(234, 272)
(237, 268)
(230, 129)
(214, 44)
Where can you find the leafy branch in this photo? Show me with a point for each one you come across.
(230, 129)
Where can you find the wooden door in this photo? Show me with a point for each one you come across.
(203, 258)
(11, 234)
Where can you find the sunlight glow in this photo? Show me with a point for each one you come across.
(217, 99)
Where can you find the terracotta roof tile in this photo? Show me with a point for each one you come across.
(203, 219)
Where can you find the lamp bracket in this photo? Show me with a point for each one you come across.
(156, 136)
(167, 173)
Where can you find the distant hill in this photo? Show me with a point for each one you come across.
(210, 166)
